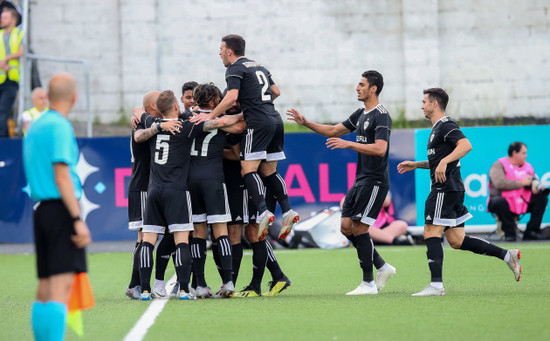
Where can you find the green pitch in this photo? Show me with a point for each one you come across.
(483, 300)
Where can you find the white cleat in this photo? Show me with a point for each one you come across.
(264, 220)
(289, 219)
(382, 276)
(431, 291)
(159, 290)
(365, 288)
(513, 263)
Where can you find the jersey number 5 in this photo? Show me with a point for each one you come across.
(262, 79)
(162, 147)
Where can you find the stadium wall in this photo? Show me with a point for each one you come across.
(493, 57)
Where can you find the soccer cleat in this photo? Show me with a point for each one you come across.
(134, 293)
(175, 290)
(513, 263)
(382, 276)
(431, 291)
(145, 296)
(365, 288)
(289, 220)
(266, 219)
(159, 290)
(227, 290)
(186, 296)
(202, 292)
(275, 287)
(248, 292)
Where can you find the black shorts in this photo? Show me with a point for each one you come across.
(167, 208)
(55, 251)
(363, 202)
(446, 209)
(209, 201)
(263, 143)
(136, 209)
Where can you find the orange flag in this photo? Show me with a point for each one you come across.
(81, 298)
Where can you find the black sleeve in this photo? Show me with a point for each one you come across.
(451, 132)
(351, 122)
(383, 127)
(148, 120)
(271, 82)
(234, 76)
(190, 129)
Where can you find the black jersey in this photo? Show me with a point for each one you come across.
(141, 160)
(443, 138)
(371, 126)
(170, 154)
(254, 84)
(207, 155)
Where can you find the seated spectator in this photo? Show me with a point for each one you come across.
(514, 190)
(39, 99)
(387, 230)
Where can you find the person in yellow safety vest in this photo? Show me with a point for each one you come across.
(11, 49)
(39, 98)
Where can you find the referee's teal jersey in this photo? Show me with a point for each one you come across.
(49, 140)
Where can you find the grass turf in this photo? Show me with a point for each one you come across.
(483, 301)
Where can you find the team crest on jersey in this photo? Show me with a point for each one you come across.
(366, 124)
(432, 137)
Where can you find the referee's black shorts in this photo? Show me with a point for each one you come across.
(55, 251)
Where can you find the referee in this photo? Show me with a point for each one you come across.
(50, 155)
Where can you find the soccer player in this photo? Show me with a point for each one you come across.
(262, 146)
(137, 190)
(444, 210)
(187, 97)
(50, 155)
(365, 199)
(169, 204)
(209, 195)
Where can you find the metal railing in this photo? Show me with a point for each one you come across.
(26, 61)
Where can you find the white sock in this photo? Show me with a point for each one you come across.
(437, 285)
(507, 257)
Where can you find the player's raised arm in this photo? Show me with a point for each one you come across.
(226, 103)
(323, 129)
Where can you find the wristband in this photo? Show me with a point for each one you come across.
(75, 219)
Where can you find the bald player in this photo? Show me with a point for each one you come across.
(50, 155)
(137, 188)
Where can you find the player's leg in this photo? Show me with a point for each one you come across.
(279, 281)
(459, 240)
(146, 261)
(253, 150)
(259, 259)
(275, 182)
(136, 210)
(362, 205)
(235, 234)
(220, 234)
(165, 249)
(198, 255)
(434, 245)
(183, 262)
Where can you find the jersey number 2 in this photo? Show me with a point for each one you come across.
(162, 147)
(262, 79)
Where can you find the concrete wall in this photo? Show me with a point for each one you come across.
(492, 56)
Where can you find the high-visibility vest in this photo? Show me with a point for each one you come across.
(16, 36)
(518, 199)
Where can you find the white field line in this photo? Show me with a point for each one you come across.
(148, 318)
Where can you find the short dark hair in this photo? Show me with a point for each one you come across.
(165, 101)
(374, 78)
(236, 43)
(515, 147)
(205, 93)
(438, 95)
(188, 86)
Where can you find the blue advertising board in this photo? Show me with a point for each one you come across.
(316, 178)
(489, 144)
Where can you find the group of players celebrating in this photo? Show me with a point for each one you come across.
(212, 166)
(217, 166)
